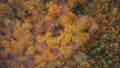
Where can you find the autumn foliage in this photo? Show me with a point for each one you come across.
(59, 34)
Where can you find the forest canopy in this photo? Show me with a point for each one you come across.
(59, 33)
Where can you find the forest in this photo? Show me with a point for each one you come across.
(59, 33)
